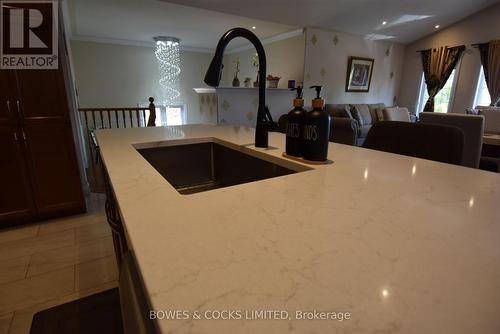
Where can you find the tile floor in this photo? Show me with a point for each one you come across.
(52, 263)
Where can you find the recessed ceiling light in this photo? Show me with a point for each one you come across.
(437, 26)
(384, 23)
(254, 27)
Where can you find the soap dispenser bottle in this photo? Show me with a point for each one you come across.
(295, 126)
(316, 130)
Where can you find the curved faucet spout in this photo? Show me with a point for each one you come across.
(212, 78)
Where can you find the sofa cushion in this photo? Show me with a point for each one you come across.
(363, 131)
(373, 110)
(356, 116)
(471, 111)
(339, 110)
(396, 114)
(361, 112)
(380, 114)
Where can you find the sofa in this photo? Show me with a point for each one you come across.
(491, 119)
(365, 115)
(350, 123)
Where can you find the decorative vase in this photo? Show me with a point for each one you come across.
(256, 82)
(273, 83)
(236, 81)
(247, 82)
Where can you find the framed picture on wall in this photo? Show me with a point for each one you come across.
(359, 74)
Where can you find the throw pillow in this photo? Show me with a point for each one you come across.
(338, 110)
(373, 110)
(380, 114)
(364, 113)
(355, 114)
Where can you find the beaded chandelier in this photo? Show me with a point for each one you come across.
(167, 52)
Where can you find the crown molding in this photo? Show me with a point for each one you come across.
(269, 40)
(128, 42)
(264, 41)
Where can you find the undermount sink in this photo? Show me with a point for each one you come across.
(193, 168)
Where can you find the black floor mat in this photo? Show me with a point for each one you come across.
(99, 313)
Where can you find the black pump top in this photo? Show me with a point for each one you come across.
(318, 91)
(299, 92)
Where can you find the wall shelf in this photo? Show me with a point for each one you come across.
(205, 90)
(209, 90)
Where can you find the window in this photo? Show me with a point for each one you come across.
(174, 115)
(482, 94)
(442, 99)
(168, 115)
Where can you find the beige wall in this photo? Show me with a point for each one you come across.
(284, 59)
(478, 28)
(109, 75)
(326, 65)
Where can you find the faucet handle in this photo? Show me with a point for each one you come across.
(270, 124)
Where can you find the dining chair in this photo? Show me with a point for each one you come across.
(436, 142)
(472, 127)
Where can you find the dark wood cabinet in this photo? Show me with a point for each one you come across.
(8, 96)
(39, 172)
(16, 201)
(42, 96)
(53, 168)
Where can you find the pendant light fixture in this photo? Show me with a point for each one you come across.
(167, 52)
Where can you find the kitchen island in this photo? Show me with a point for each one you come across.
(399, 244)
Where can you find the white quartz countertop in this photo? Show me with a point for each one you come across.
(404, 245)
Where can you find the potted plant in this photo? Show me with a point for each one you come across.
(236, 81)
(255, 63)
(272, 81)
(247, 82)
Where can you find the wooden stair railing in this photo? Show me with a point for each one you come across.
(110, 118)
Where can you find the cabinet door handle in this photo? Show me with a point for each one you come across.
(16, 139)
(25, 141)
(19, 111)
(8, 107)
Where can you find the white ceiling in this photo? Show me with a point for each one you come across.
(408, 20)
(138, 21)
(200, 23)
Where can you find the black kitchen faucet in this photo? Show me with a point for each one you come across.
(265, 121)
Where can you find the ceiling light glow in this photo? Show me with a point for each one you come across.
(409, 18)
(376, 37)
(254, 27)
(437, 26)
(384, 23)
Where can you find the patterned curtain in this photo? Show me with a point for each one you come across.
(484, 49)
(438, 65)
(493, 82)
(490, 59)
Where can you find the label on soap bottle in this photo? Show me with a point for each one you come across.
(293, 130)
(311, 132)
